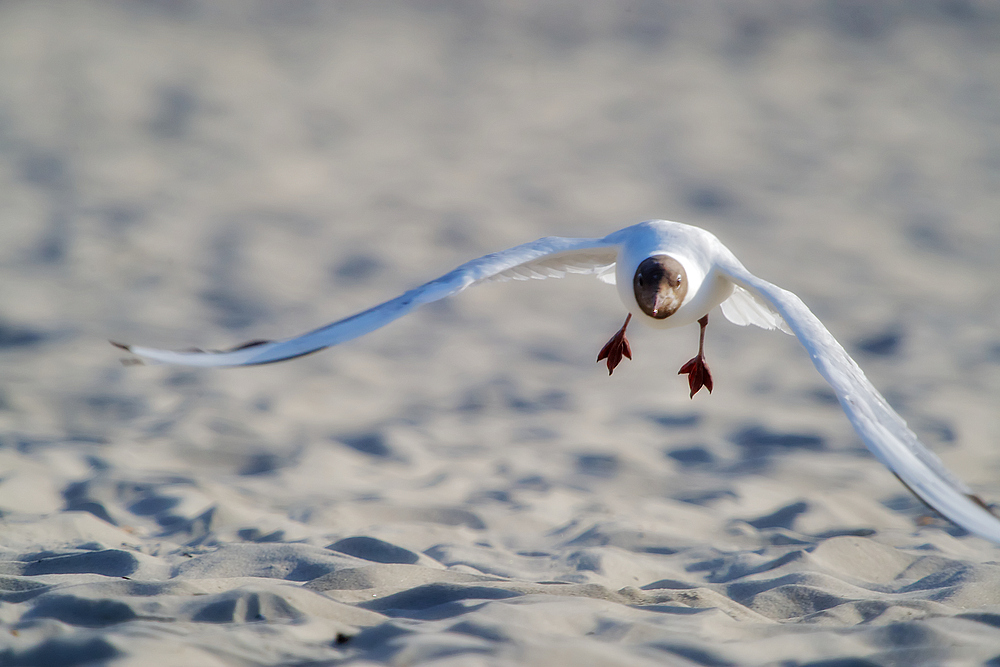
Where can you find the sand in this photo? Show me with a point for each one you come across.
(466, 486)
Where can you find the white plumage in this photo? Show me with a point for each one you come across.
(714, 278)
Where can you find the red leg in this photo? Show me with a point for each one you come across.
(697, 369)
(616, 348)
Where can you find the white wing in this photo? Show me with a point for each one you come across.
(883, 431)
(548, 257)
(599, 260)
(744, 308)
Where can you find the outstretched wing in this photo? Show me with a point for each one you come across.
(744, 308)
(883, 431)
(548, 257)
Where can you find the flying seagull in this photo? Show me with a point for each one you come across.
(668, 275)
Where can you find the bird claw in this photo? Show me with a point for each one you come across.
(616, 348)
(698, 375)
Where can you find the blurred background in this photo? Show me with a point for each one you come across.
(179, 172)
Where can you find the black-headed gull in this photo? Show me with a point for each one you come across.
(668, 275)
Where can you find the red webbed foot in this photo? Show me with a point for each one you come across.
(616, 348)
(697, 369)
(698, 375)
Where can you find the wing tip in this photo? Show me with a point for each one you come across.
(982, 503)
(247, 345)
(127, 361)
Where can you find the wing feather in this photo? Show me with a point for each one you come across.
(743, 308)
(549, 257)
(881, 428)
(589, 260)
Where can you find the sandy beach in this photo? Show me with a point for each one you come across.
(466, 486)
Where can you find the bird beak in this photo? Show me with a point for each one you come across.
(661, 302)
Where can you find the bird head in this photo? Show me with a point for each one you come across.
(660, 286)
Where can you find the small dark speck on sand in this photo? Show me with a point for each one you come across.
(884, 344)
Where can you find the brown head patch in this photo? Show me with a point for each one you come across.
(660, 285)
